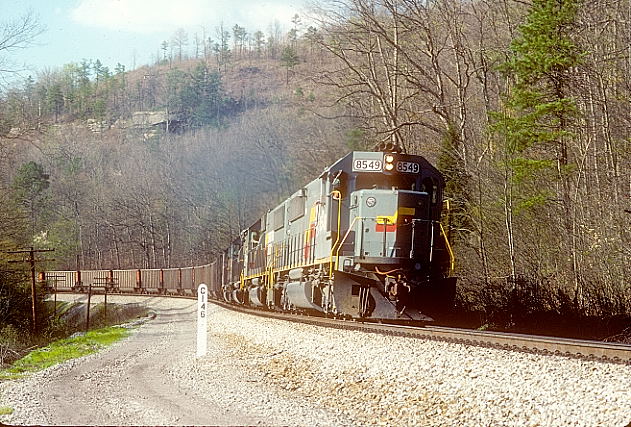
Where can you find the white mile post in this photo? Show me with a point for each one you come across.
(202, 320)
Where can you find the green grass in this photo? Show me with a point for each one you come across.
(5, 410)
(62, 350)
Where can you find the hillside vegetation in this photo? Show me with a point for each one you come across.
(523, 107)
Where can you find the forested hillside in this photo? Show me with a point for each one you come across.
(524, 107)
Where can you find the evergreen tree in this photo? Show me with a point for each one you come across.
(55, 100)
(539, 112)
(202, 97)
(292, 35)
(175, 83)
(314, 38)
(85, 91)
(29, 93)
(222, 47)
(240, 35)
(164, 46)
(290, 59)
(259, 42)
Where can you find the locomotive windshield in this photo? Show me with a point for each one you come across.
(387, 182)
(411, 182)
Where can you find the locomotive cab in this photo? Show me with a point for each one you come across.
(391, 243)
(393, 212)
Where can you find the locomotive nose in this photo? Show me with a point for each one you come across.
(392, 225)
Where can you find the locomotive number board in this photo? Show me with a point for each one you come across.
(360, 165)
(408, 167)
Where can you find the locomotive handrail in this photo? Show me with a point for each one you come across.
(452, 258)
(333, 194)
(337, 253)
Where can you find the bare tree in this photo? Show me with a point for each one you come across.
(367, 76)
(179, 41)
(274, 38)
(15, 35)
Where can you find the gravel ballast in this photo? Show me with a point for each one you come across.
(271, 372)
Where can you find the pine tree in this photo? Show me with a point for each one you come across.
(55, 100)
(222, 47)
(539, 113)
(290, 59)
(259, 42)
(199, 97)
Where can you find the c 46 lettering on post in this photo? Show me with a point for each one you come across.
(202, 320)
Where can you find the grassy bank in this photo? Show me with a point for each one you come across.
(63, 350)
(61, 321)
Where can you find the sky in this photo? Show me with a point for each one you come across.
(130, 32)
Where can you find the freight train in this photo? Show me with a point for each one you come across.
(363, 240)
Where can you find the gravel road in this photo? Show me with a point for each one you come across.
(269, 372)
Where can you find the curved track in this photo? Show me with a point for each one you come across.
(585, 349)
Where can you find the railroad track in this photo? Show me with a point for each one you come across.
(544, 345)
(574, 348)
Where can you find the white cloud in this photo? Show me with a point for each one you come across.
(155, 16)
(263, 14)
(144, 16)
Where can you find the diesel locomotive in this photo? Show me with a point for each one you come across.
(363, 240)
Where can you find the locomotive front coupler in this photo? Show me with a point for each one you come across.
(396, 288)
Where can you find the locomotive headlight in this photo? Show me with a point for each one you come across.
(388, 160)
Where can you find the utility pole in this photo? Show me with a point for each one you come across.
(31, 260)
